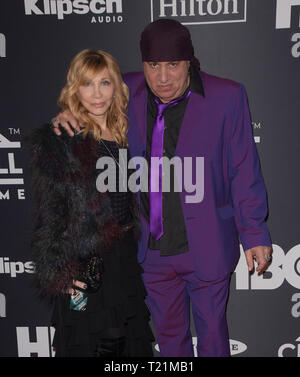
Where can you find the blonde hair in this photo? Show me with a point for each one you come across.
(83, 67)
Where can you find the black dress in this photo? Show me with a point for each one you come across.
(116, 319)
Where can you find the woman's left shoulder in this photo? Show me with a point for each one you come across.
(48, 151)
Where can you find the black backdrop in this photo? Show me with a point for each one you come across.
(254, 42)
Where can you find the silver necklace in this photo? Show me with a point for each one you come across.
(123, 162)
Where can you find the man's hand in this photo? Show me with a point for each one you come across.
(262, 255)
(63, 119)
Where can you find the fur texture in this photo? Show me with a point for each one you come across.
(73, 220)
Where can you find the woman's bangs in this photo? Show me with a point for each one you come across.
(90, 70)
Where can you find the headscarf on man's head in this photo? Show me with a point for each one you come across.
(166, 40)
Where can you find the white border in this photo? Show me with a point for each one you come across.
(208, 22)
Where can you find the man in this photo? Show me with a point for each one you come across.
(189, 248)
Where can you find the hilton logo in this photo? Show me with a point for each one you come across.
(196, 12)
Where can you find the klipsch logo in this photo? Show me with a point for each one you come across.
(2, 46)
(101, 10)
(196, 12)
(284, 20)
(15, 268)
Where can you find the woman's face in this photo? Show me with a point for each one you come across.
(97, 94)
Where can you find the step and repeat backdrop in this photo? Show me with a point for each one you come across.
(250, 41)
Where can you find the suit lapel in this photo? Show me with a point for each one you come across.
(140, 113)
(190, 120)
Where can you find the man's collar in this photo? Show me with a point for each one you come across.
(196, 85)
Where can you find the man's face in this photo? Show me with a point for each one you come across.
(167, 80)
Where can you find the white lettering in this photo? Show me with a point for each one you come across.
(284, 13)
(296, 307)
(67, 7)
(30, 7)
(183, 8)
(296, 47)
(166, 175)
(242, 272)
(101, 19)
(218, 7)
(110, 3)
(2, 46)
(172, 5)
(4, 195)
(2, 306)
(183, 13)
(81, 7)
(192, 8)
(29, 267)
(53, 6)
(40, 348)
(14, 268)
(291, 266)
(274, 278)
(284, 347)
(11, 170)
(106, 180)
(140, 174)
(283, 266)
(200, 7)
(21, 194)
(11, 164)
(5, 143)
(289, 346)
(234, 7)
(64, 7)
(198, 187)
(97, 6)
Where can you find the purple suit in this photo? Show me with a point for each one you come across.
(218, 128)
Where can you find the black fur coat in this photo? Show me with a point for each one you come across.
(73, 220)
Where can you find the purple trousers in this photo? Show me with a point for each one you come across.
(172, 285)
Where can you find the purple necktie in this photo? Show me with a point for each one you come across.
(157, 146)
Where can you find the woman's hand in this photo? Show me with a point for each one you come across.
(79, 284)
(65, 119)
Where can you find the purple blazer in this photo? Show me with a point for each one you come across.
(234, 207)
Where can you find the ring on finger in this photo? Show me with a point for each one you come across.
(268, 258)
(53, 120)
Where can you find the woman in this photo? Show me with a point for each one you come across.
(84, 241)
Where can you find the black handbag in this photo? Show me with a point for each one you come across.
(92, 274)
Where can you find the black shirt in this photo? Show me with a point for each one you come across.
(174, 239)
(119, 200)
